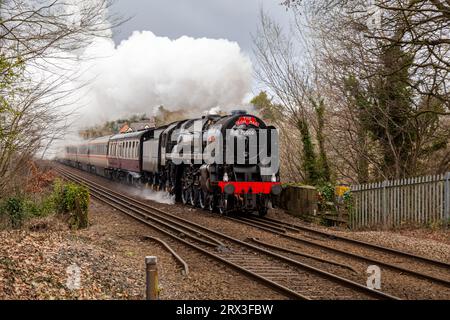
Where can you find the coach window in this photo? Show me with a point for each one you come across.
(136, 149)
(131, 149)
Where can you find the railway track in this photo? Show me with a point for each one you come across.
(292, 278)
(377, 254)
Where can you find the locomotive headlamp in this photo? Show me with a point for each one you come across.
(225, 177)
(229, 188)
(274, 177)
(276, 189)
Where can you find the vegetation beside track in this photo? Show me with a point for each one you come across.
(44, 196)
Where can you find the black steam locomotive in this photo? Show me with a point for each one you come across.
(225, 163)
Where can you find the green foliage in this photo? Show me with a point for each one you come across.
(20, 208)
(327, 197)
(14, 208)
(40, 208)
(348, 200)
(72, 199)
(323, 166)
(326, 190)
(66, 198)
(264, 105)
(309, 155)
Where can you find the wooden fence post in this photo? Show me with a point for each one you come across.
(384, 204)
(447, 199)
(151, 278)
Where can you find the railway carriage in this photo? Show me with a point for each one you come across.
(70, 154)
(125, 156)
(97, 155)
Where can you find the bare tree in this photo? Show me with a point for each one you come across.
(381, 71)
(37, 38)
(291, 81)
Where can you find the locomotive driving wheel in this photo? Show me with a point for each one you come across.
(224, 204)
(202, 198)
(262, 211)
(186, 188)
(210, 202)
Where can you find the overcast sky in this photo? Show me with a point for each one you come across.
(234, 20)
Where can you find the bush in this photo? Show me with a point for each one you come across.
(72, 199)
(15, 209)
(66, 198)
(326, 197)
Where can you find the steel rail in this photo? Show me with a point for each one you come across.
(367, 244)
(269, 245)
(361, 257)
(176, 256)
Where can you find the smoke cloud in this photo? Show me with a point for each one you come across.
(146, 71)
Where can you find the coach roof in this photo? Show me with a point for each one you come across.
(131, 135)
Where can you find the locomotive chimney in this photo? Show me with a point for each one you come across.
(237, 112)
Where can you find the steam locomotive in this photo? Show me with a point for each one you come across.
(220, 163)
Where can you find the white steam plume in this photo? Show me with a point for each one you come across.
(146, 71)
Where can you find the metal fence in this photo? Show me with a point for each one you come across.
(420, 200)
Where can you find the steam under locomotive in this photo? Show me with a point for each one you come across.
(225, 163)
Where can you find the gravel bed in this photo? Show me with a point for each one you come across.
(207, 279)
